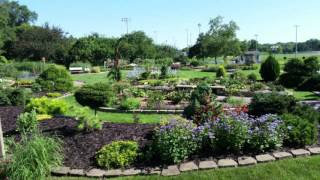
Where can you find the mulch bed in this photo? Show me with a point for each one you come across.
(80, 147)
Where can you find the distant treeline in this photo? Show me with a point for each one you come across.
(290, 47)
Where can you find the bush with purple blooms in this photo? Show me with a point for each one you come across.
(175, 141)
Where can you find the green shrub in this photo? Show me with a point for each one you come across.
(95, 69)
(298, 131)
(14, 97)
(4, 99)
(310, 84)
(55, 78)
(235, 101)
(221, 72)
(95, 95)
(118, 154)
(163, 71)
(9, 71)
(291, 80)
(239, 75)
(87, 121)
(270, 69)
(252, 77)
(3, 60)
(229, 135)
(145, 75)
(174, 142)
(194, 63)
(34, 157)
(311, 65)
(47, 106)
(257, 86)
(176, 97)
(27, 122)
(307, 112)
(129, 104)
(265, 103)
(155, 99)
(54, 95)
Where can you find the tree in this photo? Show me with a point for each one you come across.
(220, 40)
(94, 96)
(34, 42)
(270, 69)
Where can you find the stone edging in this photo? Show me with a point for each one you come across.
(188, 166)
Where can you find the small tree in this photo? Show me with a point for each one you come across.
(94, 96)
(270, 69)
(221, 72)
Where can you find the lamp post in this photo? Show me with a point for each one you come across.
(296, 52)
(256, 36)
(126, 21)
(199, 26)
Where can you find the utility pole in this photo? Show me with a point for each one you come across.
(199, 26)
(187, 30)
(2, 152)
(296, 26)
(256, 36)
(126, 21)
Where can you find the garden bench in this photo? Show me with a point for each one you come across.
(75, 70)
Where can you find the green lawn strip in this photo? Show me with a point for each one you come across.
(91, 78)
(299, 168)
(304, 95)
(121, 117)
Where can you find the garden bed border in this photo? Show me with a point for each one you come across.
(194, 165)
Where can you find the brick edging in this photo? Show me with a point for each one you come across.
(189, 166)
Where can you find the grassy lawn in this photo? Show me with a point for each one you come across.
(189, 74)
(300, 168)
(90, 78)
(121, 117)
(304, 95)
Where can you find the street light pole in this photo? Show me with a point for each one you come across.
(199, 26)
(296, 26)
(126, 21)
(256, 36)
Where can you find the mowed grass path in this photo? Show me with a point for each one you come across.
(297, 169)
(120, 117)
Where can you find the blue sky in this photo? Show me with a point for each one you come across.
(167, 21)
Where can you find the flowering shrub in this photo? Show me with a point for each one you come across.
(264, 132)
(175, 141)
(227, 134)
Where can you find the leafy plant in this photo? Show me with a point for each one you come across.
(118, 154)
(270, 69)
(48, 106)
(54, 95)
(174, 142)
(34, 157)
(252, 77)
(129, 104)
(221, 72)
(298, 131)
(27, 122)
(234, 101)
(87, 121)
(155, 100)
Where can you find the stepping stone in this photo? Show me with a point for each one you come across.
(246, 161)
(150, 171)
(96, 173)
(60, 170)
(207, 165)
(227, 163)
(188, 166)
(131, 171)
(170, 171)
(264, 158)
(76, 172)
(282, 155)
(314, 150)
(300, 152)
(113, 172)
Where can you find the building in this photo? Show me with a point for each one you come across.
(249, 57)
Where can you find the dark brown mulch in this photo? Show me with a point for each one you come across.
(80, 147)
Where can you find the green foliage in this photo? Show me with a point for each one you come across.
(289, 80)
(270, 69)
(95, 95)
(47, 106)
(230, 139)
(239, 75)
(252, 77)
(55, 78)
(3, 60)
(33, 67)
(235, 101)
(87, 121)
(163, 71)
(310, 84)
(176, 96)
(118, 154)
(221, 72)
(233, 86)
(27, 122)
(174, 142)
(115, 74)
(307, 112)
(14, 97)
(8, 70)
(155, 99)
(257, 86)
(53, 95)
(298, 131)
(95, 69)
(264, 103)
(34, 157)
(194, 63)
(129, 104)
